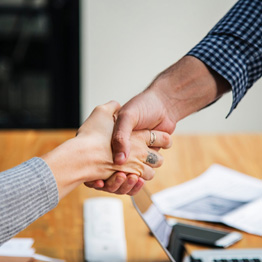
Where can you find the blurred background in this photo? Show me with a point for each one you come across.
(39, 64)
(61, 58)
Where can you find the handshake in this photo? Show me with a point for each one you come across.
(116, 149)
(93, 157)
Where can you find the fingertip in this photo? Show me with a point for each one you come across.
(120, 158)
(120, 177)
(98, 184)
(111, 107)
(132, 179)
(117, 106)
(138, 186)
(170, 142)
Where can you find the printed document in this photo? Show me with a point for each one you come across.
(218, 195)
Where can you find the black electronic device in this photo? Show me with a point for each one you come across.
(171, 237)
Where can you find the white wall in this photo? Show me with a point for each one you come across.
(126, 43)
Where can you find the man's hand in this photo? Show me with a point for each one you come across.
(180, 90)
(144, 111)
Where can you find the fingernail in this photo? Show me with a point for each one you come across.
(120, 158)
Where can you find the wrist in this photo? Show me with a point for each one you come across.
(64, 162)
(188, 86)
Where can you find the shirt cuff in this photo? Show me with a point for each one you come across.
(223, 56)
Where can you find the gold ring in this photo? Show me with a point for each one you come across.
(152, 138)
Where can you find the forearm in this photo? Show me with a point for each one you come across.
(231, 58)
(28, 191)
(233, 47)
(188, 86)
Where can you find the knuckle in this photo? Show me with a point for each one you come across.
(166, 139)
(118, 137)
(127, 114)
(160, 161)
(101, 108)
(151, 174)
(148, 174)
(144, 154)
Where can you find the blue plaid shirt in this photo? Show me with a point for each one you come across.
(233, 48)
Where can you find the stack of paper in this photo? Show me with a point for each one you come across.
(218, 195)
(20, 250)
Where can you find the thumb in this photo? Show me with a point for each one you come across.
(111, 107)
(121, 138)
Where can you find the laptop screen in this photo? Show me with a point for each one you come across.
(155, 221)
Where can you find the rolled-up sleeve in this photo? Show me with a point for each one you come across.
(233, 48)
(28, 191)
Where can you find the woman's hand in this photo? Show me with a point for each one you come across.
(95, 137)
(88, 156)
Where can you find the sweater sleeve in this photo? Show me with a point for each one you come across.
(233, 48)
(28, 191)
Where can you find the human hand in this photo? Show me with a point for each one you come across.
(147, 110)
(119, 183)
(182, 89)
(142, 159)
(88, 156)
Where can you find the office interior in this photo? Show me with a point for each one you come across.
(61, 58)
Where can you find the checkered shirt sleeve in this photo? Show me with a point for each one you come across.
(233, 48)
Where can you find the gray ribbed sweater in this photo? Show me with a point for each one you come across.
(27, 192)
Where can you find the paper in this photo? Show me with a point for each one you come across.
(218, 195)
(47, 259)
(18, 247)
(22, 247)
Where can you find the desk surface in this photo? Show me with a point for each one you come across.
(59, 233)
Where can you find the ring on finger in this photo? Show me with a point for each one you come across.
(152, 138)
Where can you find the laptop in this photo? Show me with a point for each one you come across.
(173, 245)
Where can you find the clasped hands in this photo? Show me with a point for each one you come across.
(129, 177)
(87, 158)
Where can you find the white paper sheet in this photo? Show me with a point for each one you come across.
(219, 195)
(22, 247)
(18, 247)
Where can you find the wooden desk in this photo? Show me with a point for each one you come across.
(59, 233)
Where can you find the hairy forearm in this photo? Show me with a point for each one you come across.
(188, 86)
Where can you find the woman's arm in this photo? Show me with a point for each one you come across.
(33, 188)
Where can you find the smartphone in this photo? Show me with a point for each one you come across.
(205, 235)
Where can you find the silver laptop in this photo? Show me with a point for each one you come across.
(172, 245)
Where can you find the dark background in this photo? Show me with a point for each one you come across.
(39, 63)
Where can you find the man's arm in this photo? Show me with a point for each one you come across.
(182, 89)
(233, 48)
(229, 57)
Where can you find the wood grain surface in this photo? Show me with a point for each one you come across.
(59, 233)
